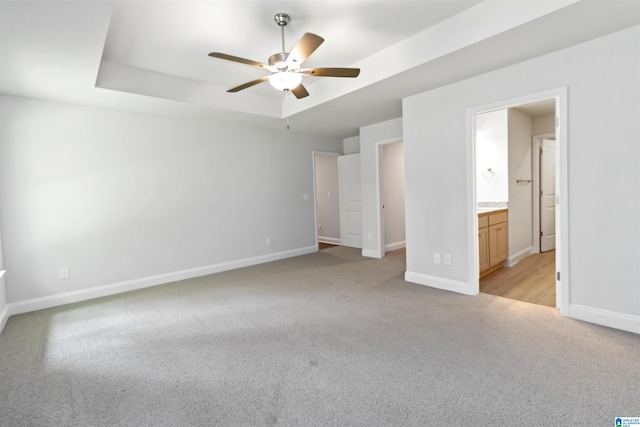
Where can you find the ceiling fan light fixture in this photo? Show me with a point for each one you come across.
(285, 80)
(286, 74)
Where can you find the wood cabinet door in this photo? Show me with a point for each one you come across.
(498, 243)
(483, 248)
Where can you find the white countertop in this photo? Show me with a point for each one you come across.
(492, 209)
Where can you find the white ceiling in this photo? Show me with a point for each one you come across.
(151, 56)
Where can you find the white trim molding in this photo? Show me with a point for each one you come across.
(4, 315)
(4, 311)
(396, 245)
(440, 283)
(513, 259)
(330, 240)
(146, 282)
(611, 319)
(370, 253)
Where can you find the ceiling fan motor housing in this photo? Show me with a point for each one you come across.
(279, 60)
(282, 19)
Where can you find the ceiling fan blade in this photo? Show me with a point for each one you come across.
(240, 60)
(331, 72)
(304, 48)
(300, 91)
(248, 84)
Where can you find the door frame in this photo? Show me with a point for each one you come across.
(380, 219)
(562, 185)
(315, 188)
(535, 157)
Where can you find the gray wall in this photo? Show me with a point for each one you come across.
(604, 171)
(545, 123)
(119, 197)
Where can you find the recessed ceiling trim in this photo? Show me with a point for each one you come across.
(479, 22)
(127, 79)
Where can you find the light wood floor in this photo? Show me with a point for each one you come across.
(322, 245)
(531, 280)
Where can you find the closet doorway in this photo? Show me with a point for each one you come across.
(391, 186)
(327, 199)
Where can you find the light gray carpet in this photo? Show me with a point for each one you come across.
(327, 339)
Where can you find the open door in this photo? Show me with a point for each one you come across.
(350, 200)
(547, 195)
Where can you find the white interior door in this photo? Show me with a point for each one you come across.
(547, 195)
(350, 200)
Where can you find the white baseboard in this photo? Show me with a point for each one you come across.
(146, 282)
(439, 282)
(393, 246)
(371, 253)
(513, 259)
(611, 319)
(4, 312)
(4, 315)
(330, 240)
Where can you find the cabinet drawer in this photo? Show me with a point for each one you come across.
(497, 218)
(483, 221)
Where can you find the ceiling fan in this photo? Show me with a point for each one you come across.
(285, 67)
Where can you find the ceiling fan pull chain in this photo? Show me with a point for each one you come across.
(286, 106)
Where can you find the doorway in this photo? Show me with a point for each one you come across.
(326, 199)
(527, 274)
(392, 212)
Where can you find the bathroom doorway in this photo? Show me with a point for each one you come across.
(516, 193)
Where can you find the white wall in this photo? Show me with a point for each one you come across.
(351, 145)
(370, 138)
(520, 195)
(492, 153)
(327, 198)
(392, 185)
(603, 164)
(126, 200)
(3, 288)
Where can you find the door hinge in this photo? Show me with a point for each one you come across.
(557, 122)
(558, 276)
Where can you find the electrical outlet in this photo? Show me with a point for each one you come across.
(447, 259)
(319, 227)
(436, 258)
(268, 241)
(64, 273)
(305, 196)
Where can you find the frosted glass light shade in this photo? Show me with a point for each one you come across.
(285, 80)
